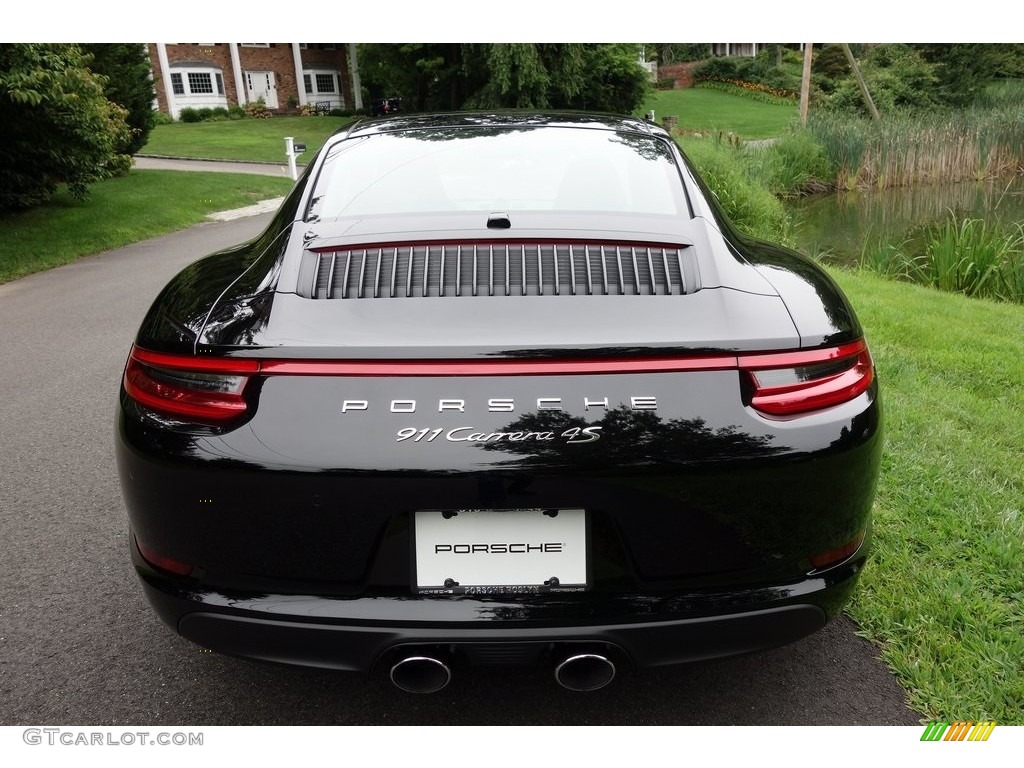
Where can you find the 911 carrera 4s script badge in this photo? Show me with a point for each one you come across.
(571, 436)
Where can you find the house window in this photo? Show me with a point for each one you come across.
(220, 83)
(177, 86)
(322, 81)
(325, 84)
(200, 82)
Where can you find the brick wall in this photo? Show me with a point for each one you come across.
(681, 74)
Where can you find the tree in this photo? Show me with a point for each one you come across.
(129, 83)
(897, 77)
(56, 125)
(963, 70)
(438, 76)
(425, 75)
(611, 79)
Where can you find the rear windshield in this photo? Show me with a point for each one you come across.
(498, 169)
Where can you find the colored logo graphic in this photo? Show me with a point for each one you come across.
(958, 731)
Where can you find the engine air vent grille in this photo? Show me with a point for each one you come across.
(498, 269)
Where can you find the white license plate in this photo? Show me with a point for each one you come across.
(499, 552)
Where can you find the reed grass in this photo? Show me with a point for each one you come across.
(959, 255)
(901, 150)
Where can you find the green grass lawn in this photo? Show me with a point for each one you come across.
(263, 140)
(943, 594)
(120, 211)
(700, 109)
(251, 139)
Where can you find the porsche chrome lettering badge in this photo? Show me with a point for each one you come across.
(500, 405)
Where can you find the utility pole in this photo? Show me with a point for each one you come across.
(860, 81)
(805, 83)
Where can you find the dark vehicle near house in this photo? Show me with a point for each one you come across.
(388, 106)
(499, 389)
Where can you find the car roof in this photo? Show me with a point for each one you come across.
(503, 119)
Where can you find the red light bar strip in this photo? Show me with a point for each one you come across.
(492, 367)
(504, 367)
(802, 357)
(225, 365)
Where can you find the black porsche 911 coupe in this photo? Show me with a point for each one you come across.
(499, 389)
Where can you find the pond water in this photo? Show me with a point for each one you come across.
(839, 224)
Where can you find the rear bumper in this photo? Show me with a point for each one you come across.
(361, 634)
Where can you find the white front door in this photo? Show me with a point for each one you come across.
(261, 85)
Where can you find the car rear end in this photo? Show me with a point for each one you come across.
(586, 439)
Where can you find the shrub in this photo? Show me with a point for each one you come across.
(236, 112)
(755, 91)
(162, 118)
(120, 165)
(257, 109)
(796, 164)
(758, 73)
(189, 115)
(56, 124)
(719, 68)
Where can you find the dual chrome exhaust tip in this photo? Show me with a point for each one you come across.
(429, 673)
(421, 674)
(585, 672)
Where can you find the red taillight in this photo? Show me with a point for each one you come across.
(208, 391)
(790, 383)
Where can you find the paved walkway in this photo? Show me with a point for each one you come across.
(215, 166)
(220, 166)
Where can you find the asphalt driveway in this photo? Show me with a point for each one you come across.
(79, 644)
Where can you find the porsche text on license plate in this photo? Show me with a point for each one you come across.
(500, 552)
